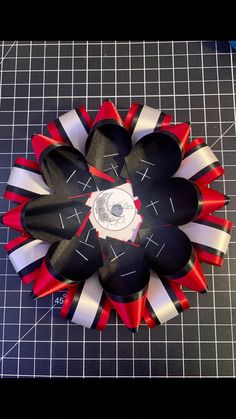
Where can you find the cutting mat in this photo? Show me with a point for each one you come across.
(194, 81)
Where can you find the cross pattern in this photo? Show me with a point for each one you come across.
(86, 185)
(150, 240)
(77, 214)
(144, 174)
(87, 237)
(153, 205)
(112, 168)
(115, 255)
(85, 243)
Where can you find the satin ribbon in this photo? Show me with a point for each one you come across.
(95, 215)
(25, 182)
(165, 300)
(87, 304)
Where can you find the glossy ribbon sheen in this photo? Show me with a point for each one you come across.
(28, 180)
(160, 300)
(90, 251)
(88, 303)
(146, 123)
(27, 254)
(74, 129)
(206, 235)
(195, 162)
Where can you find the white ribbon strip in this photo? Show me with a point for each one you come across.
(160, 300)
(206, 235)
(30, 181)
(146, 123)
(74, 129)
(89, 300)
(195, 162)
(28, 253)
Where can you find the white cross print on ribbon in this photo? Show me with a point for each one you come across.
(87, 237)
(115, 255)
(86, 244)
(76, 214)
(112, 165)
(149, 240)
(152, 204)
(86, 185)
(144, 174)
(112, 168)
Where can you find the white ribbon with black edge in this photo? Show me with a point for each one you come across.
(162, 302)
(89, 306)
(26, 256)
(210, 235)
(198, 162)
(25, 181)
(72, 127)
(142, 120)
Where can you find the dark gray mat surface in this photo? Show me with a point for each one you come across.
(194, 81)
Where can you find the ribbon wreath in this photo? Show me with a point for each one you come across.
(118, 213)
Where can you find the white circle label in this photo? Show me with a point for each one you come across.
(114, 209)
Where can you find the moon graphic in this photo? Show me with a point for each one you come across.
(114, 210)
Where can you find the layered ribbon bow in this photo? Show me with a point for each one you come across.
(119, 213)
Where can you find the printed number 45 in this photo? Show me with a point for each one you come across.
(60, 300)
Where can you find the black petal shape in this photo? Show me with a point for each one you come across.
(50, 217)
(66, 172)
(106, 149)
(175, 200)
(76, 259)
(167, 249)
(125, 270)
(170, 253)
(156, 156)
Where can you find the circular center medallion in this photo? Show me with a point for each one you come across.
(114, 209)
